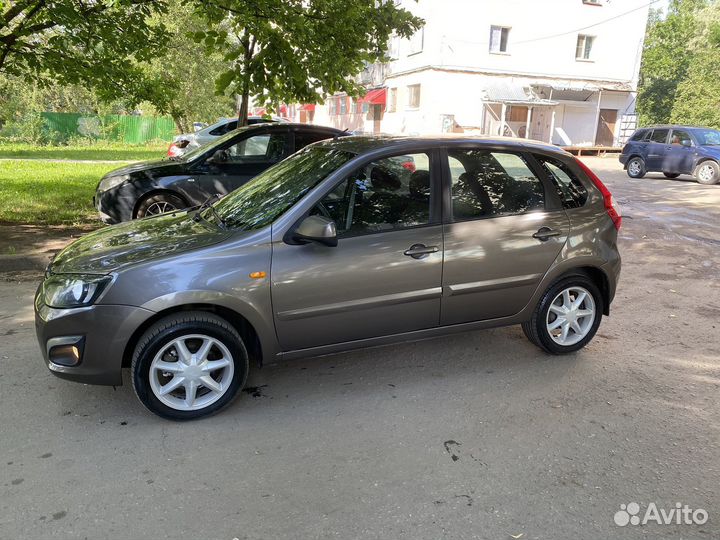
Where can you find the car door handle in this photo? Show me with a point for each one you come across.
(420, 251)
(544, 233)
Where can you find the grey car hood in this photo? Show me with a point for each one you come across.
(136, 241)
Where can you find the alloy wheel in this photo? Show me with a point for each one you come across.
(706, 173)
(570, 316)
(159, 207)
(191, 372)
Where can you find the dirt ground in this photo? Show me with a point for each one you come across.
(479, 435)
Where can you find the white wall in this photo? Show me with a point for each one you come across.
(542, 39)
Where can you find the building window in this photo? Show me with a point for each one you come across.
(413, 96)
(499, 36)
(343, 105)
(415, 44)
(584, 47)
(392, 100)
(332, 109)
(394, 47)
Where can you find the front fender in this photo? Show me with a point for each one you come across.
(251, 309)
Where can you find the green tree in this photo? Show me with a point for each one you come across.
(298, 50)
(698, 94)
(667, 55)
(181, 82)
(80, 41)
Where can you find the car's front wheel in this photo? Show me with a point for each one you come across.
(567, 316)
(159, 204)
(708, 173)
(636, 168)
(189, 365)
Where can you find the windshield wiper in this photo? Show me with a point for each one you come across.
(209, 204)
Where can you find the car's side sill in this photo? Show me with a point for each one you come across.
(399, 338)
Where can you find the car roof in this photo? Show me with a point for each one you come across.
(367, 143)
(671, 126)
(293, 126)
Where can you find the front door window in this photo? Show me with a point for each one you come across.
(385, 195)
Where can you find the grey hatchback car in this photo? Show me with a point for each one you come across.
(355, 242)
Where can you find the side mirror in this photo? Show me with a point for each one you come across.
(220, 156)
(316, 229)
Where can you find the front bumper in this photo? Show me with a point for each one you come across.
(115, 205)
(105, 329)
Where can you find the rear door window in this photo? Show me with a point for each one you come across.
(659, 136)
(569, 188)
(303, 138)
(486, 184)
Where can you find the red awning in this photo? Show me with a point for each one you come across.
(375, 97)
(307, 107)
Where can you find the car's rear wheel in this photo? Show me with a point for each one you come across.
(636, 168)
(708, 173)
(159, 203)
(671, 175)
(567, 316)
(189, 365)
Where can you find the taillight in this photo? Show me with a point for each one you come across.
(171, 150)
(612, 210)
(409, 165)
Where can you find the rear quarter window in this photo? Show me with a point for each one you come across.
(638, 135)
(570, 189)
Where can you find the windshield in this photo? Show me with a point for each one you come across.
(197, 152)
(264, 198)
(707, 136)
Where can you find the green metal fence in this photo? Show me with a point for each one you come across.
(113, 127)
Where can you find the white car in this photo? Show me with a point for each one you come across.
(188, 141)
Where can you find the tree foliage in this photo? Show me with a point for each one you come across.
(681, 65)
(298, 50)
(181, 82)
(97, 43)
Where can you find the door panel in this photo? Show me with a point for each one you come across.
(247, 156)
(605, 135)
(656, 149)
(493, 266)
(374, 283)
(365, 287)
(679, 153)
(500, 239)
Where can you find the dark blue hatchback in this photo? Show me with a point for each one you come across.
(674, 150)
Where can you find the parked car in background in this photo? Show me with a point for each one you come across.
(155, 187)
(674, 150)
(186, 142)
(341, 246)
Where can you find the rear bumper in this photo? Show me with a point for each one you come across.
(104, 331)
(612, 271)
(622, 158)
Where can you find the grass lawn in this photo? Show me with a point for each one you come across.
(95, 152)
(49, 193)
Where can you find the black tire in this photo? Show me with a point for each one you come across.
(671, 175)
(636, 167)
(536, 328)
(159, 203)
(170, 328)
(710, 179)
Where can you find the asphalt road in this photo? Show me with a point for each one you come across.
(478, 435)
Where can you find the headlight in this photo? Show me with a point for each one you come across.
(110, 182)
(73, 290)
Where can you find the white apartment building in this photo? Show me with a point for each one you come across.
(559, 71)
